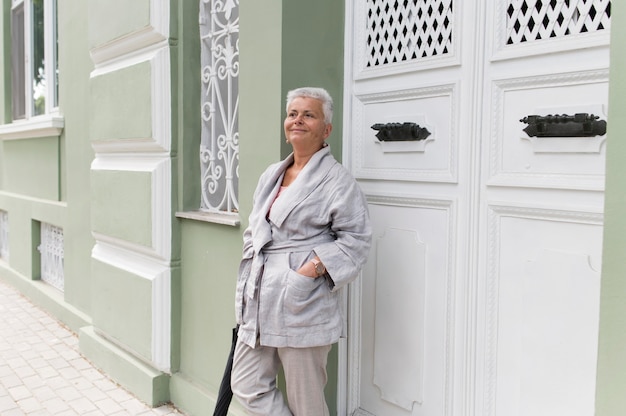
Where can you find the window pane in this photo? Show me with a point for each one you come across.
(18, 81)
(39, 74)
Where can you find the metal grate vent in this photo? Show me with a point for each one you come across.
(407, 30)
(533, 20)
(4, 235)
(51, 250)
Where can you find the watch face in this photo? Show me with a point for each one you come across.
(319, 268)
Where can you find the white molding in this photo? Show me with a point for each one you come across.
(353, 352)
(161, 320)
(160, 169)
(162, 99)
(160, 16)
(348, 397)
(496, 211)
(161, 111)
(157, 33)
(160, 276)
(225, 218)
(50, 125)
(448, 175)
(497, 175)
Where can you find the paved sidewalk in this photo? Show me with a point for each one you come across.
(42, 372)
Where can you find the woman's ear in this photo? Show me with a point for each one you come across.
(327, 129)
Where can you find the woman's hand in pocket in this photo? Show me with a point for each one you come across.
(308, 270)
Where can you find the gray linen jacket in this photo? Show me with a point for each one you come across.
(324, 213)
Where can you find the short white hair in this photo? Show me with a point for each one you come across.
(317, 93)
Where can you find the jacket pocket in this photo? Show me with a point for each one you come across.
(307, 301)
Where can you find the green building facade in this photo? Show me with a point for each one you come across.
(114, 170)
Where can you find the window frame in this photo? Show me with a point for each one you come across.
(50, 123)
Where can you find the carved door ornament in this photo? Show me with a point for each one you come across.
(400, 132)
(578, 125)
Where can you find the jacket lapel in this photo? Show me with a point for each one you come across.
(308, 180)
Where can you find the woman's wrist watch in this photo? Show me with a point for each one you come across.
(320, 269)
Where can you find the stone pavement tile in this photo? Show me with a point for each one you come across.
(42, 372)
(30, 405)
(14, 412)
(6, 403)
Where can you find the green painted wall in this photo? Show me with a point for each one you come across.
(31, 167)
(122, 304)
(120, 103)
(313, 55)
(611, 377)
(279, 52)
(35, 186)
(210, 253)
(75, 66)
(122, 17)
(121, 205)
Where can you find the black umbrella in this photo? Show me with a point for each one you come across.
(225, 394)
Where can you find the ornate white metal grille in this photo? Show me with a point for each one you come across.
(531, 20)
(51, 250)
(4, 235)
(405, 30)
(219, 148)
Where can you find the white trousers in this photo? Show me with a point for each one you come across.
(253, 380)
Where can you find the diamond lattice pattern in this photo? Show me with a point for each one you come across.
(405, 30)
(531, 20)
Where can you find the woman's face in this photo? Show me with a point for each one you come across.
(304, 125)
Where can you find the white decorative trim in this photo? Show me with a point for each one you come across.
(160, 276)
(161, 320)
(160, 16)
(499, 177)
(162, 99)
(355, 304)
(497, 211)
(129, 59)
(428, 175)
(225, 218)
(140, 40)
(161, 106)
(160, 168)
(50, 125)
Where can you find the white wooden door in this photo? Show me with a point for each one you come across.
(481, 294)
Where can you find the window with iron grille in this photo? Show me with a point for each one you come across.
(4, 235)
(51, 251)
(219, 148)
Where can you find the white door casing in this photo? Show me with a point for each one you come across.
(481, 294)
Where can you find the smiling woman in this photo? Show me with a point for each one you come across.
(308, 237)
(306, 130)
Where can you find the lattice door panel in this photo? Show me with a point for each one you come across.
(405, 30)
(533, 20)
